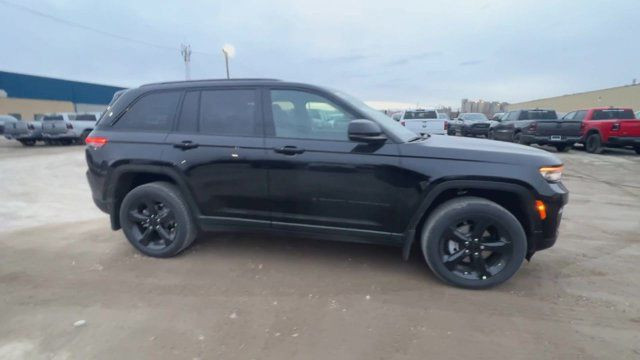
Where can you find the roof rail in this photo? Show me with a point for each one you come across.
(209, 80)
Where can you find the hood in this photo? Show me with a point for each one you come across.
(479, 150)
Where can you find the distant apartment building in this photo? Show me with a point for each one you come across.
(480, 106)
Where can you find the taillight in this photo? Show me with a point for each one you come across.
(533, 127)
(402, 123)
(615, 127)
(446, 125)
(96, 141)
(69, 126)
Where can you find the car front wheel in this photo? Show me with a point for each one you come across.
(473, 243)
(156, 220)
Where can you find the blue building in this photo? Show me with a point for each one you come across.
(28, 97)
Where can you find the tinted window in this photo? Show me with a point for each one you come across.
(151, 112)
(86, 117)
(512, 115)
(420, 115)
(303, 115)
(52, 118)
(580, 115)
(475, 116)
(569, 116)
(189, 114)
(613, 114)
(538, 115)
(228, 112)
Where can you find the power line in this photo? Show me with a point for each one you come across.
(84, 27)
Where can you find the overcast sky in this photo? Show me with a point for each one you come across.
(427, 52)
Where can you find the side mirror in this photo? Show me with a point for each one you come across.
(365, 131)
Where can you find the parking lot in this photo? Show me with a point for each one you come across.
(263, 297)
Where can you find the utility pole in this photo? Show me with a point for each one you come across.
(226, 62)
(186, 56)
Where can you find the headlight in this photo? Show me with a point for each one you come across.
(552, 173)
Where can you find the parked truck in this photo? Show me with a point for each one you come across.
(68, 128)
(608, 127)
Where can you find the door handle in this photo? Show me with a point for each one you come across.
(186, 145)
(289, 150)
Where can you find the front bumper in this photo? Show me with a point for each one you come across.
(472, 130)
(624, 141)
(545, 232)
(547, 140)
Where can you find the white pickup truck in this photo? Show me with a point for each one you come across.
(67, 128)
(422, 121)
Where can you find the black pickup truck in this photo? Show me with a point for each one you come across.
(537, 126)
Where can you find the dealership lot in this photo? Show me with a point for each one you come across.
(254, 296)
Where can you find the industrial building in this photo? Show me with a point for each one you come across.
(622, 96)
(29, 97)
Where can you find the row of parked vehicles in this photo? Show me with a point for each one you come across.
(595, 128)
(59, 128)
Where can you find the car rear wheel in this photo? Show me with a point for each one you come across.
(594, 144)
(473, 243)
(27, 142)
(563, 147)
(156, 220)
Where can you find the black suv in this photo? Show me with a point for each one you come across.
(170, 159)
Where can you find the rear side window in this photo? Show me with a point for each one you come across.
(229, 112)
(52, 118)
(152, 112)
(538, 115)
(613, 114)
(408, 115)
(86, 117)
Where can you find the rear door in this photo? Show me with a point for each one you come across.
(317, 176)
(623, 121)
(54, 124)
(423, 122)
(218, 146)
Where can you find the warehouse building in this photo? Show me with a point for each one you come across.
(29, 97)
(621, 96)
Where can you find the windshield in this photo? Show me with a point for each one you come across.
(613, 114)
(475, 117)
(420, 114)
(538, 115)
(401, 132)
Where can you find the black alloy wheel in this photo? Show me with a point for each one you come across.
(473, 243)
(156, 220)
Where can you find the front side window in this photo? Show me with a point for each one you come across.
(85, 117)
(153, 112)
(303, 115)
(580, 115)
(229, 112)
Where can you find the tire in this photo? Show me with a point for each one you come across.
(563, 147)
(467, 271)
(593, 144)
(490, 135)
(27, 142)
(156, 220)
(517, 138)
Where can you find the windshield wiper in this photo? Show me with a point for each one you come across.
(417, 138)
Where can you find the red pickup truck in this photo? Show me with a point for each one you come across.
(607, 126)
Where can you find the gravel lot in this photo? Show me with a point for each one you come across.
(242, 297)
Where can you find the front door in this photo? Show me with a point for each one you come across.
(317, 176)
(218, 145)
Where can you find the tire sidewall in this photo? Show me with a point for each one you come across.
(593, 143)
(182, 217)
(445, 215)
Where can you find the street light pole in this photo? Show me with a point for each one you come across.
(226, 61)
(186, 56)
(228, 51)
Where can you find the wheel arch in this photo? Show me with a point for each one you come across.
(513, 196)
(129, 176)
